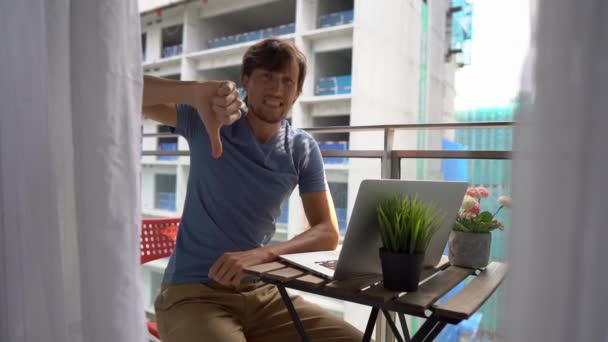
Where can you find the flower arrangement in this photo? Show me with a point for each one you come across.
(471, 219)
(407, 224)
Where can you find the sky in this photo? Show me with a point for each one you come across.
(501, 32)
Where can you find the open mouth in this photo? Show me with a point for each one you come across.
(273, 103)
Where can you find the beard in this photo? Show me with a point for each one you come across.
(266, 117)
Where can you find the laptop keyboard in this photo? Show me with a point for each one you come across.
(331, 264)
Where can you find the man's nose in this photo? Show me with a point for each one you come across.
(276, 85)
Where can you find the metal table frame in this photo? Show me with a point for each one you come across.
(368, 291)
(427, 332)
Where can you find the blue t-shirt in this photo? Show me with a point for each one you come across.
(232, 203)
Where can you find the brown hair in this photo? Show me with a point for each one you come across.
(273, 54)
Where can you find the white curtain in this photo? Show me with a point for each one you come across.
(70, 94)
(557, 286)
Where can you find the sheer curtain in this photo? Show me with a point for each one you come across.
(70, 91)
(557, 286)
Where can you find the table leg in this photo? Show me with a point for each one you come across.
(406, 331)
(293, 313)
(370, 324)
(435, 331)
(391, 323)
(429, 330)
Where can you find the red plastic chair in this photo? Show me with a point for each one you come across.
(157, 241)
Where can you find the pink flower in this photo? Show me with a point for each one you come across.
(468, 202)
(475, 209)
(473, 192)
(505, 201)
(483, 192)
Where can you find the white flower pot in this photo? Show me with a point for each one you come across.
(469, 249)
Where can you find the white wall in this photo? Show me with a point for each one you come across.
(386, 61)
(440, 83)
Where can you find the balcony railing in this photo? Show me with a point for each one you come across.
(172, 146)
(390, 158)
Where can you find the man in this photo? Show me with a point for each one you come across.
(242, 168)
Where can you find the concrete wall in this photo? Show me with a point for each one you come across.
(386, 64)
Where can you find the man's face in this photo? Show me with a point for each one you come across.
(270, 94)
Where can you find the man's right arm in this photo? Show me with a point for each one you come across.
(217, 104)
(161, 95)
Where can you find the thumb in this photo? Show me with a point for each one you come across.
(216, 141)
(225, 88)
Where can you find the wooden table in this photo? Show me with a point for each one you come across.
(369, 291)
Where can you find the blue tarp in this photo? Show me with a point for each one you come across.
(454, 169)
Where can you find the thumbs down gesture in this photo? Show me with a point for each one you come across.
(218, 105)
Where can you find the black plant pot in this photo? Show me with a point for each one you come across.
(401, 272)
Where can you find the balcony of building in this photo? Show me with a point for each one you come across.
(475, 152)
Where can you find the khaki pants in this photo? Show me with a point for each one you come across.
(252, 312)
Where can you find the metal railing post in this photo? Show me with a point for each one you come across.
(387, 156)
(390, 169)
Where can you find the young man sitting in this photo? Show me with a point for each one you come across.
(243, 165)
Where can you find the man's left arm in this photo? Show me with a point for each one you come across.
(322, 235)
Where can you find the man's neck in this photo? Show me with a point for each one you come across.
(262, 131)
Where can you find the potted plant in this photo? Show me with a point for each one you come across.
(470, 240)
(406, 227)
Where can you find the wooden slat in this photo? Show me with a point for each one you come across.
(443, 263)
(351, 286)
(379, 293)
(284, 274)
(429, 292)
(310, 280)
(467, 301)
(355, 285)
(263, 268)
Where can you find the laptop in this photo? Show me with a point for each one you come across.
(359, 256)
